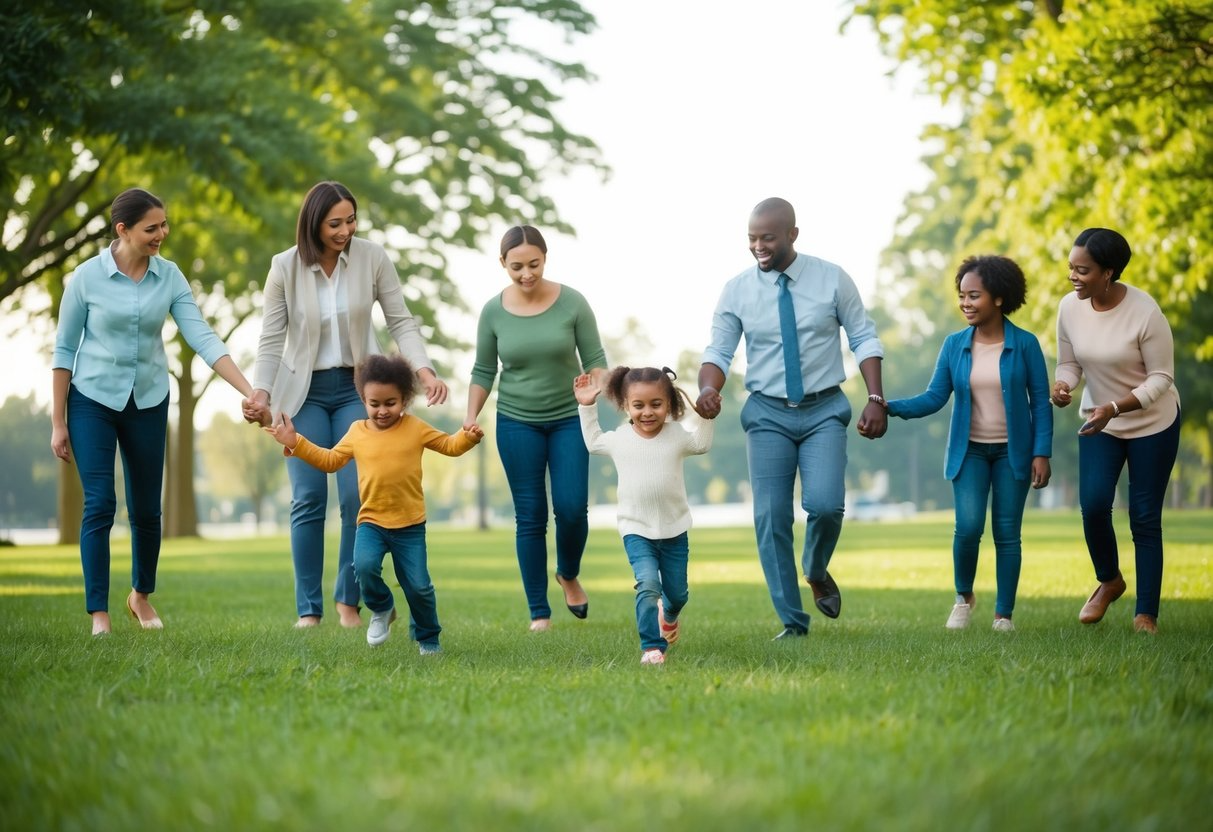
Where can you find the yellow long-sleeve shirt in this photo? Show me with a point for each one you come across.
(389, 466)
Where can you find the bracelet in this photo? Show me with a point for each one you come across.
(1115, 409)
(879, 399)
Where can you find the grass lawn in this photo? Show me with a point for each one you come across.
(230, 719)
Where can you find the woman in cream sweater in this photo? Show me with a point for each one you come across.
(1116, 336)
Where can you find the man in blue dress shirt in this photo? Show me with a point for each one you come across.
(790, 308)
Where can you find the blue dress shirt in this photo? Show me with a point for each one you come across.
(111, 330)
(1025, 394)
(825, 298)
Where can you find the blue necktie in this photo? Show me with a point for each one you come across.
(791, 342)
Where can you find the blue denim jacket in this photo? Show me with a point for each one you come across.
(1025, 392)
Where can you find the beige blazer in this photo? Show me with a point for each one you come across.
(290, 328)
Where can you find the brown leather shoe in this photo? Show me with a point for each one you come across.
(1101, 599)
(1143, 623)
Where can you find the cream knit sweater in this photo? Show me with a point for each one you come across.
(652, 492)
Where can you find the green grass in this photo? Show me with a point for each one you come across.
(230, 719)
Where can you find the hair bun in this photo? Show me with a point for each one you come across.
(670, 373)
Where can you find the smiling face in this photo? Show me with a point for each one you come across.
(524, 264)
(384, 404)
(143, 238)
(647, 406)
(338, 227)
(1086, 276)
(977, 305)
(772, 240)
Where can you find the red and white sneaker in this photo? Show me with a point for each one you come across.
(653, 656)
(668, 631)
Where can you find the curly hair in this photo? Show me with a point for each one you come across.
(1108, 248)
(1001, 277)
(622, 378)
(387, 369)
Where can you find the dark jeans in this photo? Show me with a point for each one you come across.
(529, 452)
(332, 405)
(409, 560)
(96, 434)
(987, 469)
(1101, 458)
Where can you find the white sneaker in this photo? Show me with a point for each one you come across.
(380, 627)
(1003, 625)
(959, 619)
(653, 656)
(429, 649)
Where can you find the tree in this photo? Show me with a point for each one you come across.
(240, 461)
(27, 468)
(437, 116)
(1072, 115)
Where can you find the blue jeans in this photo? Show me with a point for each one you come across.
(660, 567)
(780, 441)
(528, 452)
(409, 560)
(332, 405)
(1101, 458)
(96, 433)
(986, 468)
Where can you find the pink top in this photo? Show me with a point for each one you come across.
(1124, 349)
(988, 419)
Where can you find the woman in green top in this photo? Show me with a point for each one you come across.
(542, 334)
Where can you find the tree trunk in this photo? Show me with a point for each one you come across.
(70, 502)
(180, 506)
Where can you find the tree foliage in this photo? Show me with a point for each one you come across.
(437, 115)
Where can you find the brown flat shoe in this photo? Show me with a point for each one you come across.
(1143, 623)
(1101, 599)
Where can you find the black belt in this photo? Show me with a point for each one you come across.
(811, 398)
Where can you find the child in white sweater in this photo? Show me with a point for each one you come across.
(654, 515)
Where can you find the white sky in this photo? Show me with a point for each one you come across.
(700, 113)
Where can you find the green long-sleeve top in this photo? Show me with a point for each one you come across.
(539, 355)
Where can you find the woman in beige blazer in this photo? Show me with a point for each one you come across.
(316, 329)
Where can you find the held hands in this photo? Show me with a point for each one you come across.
(435, 388)
(1041, 471)
(708, 403)
(255, 408)
(474, 431)
(585, 389)
(1061, 394)
(284, 432)
(873, 422)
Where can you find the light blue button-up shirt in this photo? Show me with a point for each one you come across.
(111, 330)
(825, 298)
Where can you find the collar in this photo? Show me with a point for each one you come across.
(154, 263)
(793, 271)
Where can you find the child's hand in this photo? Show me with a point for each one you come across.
(284, 432)
(585, 389)
(474, 430)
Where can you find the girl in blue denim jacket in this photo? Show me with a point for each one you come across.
(1001, 434)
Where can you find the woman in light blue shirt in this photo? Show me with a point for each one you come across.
(110, 376)
(1001, 435)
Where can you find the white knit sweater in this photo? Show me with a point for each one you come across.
(652, 492)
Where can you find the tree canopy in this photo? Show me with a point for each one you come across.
(439, 116)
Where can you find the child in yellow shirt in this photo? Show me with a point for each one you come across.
(387, 448)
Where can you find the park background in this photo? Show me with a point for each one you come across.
(639, 134)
